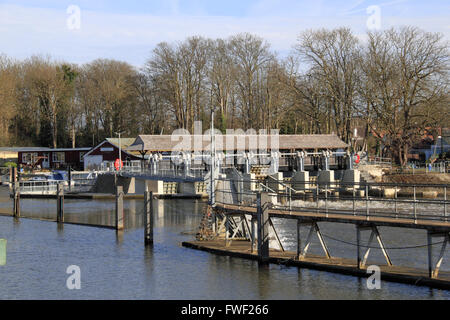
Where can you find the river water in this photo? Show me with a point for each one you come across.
(119, 266)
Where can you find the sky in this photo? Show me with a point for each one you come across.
(79, 31)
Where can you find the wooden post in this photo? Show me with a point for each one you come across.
(430, 254)
(299, 241)
(254, 222)
(15, 174)
(358, 248)
(60, 203)
(11, 180)
(16, 197)
(119, 208)
(69, 174)
(148, 217)
(263, 201)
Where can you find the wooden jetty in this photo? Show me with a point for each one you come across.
(242, 249)
(244, 231)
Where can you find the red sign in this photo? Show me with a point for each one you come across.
(118, 164)
(357, 159)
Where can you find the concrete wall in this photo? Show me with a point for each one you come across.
(326, 176)
(249, 182)
(105, 184)
(187, 188)
(275, 186)
(351, 176)
(299, 180)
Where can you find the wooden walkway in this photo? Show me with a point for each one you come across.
(241, 249)
(342, 217)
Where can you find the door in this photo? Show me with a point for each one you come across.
(46, 161)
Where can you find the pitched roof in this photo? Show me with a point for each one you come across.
(124, 144)
(167, 143)
(41, 149)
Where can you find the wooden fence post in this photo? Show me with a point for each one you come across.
(148, 216)
(16, 200)
(119, 208)
(263, 201)
(60, 203)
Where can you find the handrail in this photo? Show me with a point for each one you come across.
(413, 207)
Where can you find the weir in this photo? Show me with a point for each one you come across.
(311, 187)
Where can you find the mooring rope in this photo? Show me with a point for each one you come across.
(393, 248)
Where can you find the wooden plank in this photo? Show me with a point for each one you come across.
(241, 249)
(345, 218)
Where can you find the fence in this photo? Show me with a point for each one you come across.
(164, 169)
(399, 201)
(441, 167)
(49, 187)
(379, 161)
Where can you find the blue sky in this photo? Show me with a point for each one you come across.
(129, 30)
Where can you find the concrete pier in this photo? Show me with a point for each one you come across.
(326, 177)
(300, 181)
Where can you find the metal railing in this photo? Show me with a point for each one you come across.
(372, 160)
(164, 169)
(389, 200)
(49, 187)
(440, 167)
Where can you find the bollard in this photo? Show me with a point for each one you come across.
(119, 208)
(60, 203)
(148, 217)
(3, 252)
(263, 201)
(16, 200)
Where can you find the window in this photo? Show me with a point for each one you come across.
(29, 157)
(58, 157)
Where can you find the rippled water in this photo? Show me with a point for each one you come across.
(118, 266)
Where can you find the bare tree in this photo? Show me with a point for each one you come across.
(250, 56)
(406, 84)
(333, 55)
